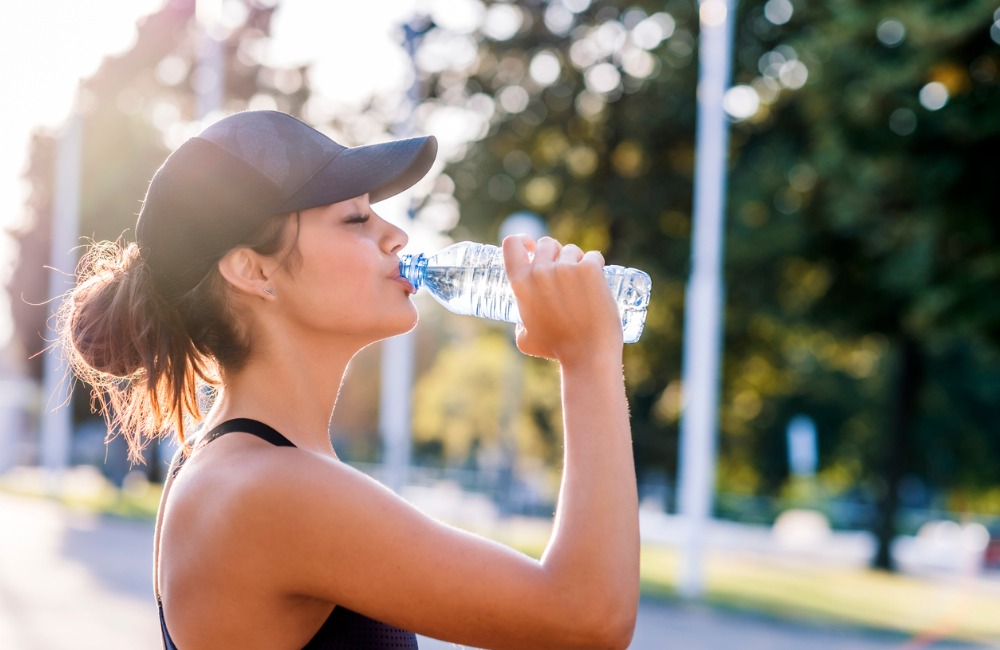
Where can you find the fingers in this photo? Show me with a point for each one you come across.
(520, 252)
(570, 253)
(516, 256)
(559, 297)
(547, 250)
(593, 257)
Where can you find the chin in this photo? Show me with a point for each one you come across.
(397, 326)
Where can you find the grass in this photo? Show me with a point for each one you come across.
(86, 491)
(926, 609)
(923, 608)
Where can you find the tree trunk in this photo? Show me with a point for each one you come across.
(908, 379)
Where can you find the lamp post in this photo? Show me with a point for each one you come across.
(395, 395)
(56, 417)
(210, 75)
(705, 294)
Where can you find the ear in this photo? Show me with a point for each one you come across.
(243, 269)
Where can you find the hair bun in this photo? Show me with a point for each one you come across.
(108, 318)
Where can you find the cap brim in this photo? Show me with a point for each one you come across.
(379, 170)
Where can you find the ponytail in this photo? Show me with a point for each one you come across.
(147, 359)
(121, 337)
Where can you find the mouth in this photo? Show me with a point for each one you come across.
(403, 281)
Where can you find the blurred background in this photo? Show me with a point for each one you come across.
(852, 447)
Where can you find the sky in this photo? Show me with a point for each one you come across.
(46, 36)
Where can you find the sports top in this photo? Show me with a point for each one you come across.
(344, 629)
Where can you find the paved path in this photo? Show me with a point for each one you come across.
(75, 581)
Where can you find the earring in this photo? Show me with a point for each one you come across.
(271, 292)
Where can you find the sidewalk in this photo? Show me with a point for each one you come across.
(70, 580)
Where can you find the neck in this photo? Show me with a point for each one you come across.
(292, 388)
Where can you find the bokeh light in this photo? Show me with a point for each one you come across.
(513, 99)
(712, 13)
(793, 74)
(903, 121)
(890, 32)
(741, 102)
(545, 67)
(778, 12)
(502, 21)
(558, 19)
(603, 78)
(934, 96)
(458, 16)
(576, 6)
(652, 31)
(639, 63)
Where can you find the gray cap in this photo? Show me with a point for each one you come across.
(221, 186)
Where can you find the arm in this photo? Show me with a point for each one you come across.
(345, 539)
(595, 542)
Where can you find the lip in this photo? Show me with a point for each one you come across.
(403, 281)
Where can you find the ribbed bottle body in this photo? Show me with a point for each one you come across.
(469, 279)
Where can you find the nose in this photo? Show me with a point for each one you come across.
(394, 239)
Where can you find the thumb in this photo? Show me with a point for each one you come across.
(516, 259)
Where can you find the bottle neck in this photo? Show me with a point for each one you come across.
(413, 268)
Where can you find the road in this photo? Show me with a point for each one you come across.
(73, 580)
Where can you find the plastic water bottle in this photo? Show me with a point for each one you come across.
(469, 279)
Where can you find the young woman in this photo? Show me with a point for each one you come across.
(262, 268)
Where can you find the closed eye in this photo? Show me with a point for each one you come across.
(358, 218)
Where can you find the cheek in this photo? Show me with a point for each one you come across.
(341, 282)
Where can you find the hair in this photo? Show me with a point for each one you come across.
(148, 358)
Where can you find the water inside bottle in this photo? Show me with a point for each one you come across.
(478, 291)
(471, 280)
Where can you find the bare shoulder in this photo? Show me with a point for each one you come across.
(314, 528)
(247, 480)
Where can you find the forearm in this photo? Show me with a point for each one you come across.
(595, 542)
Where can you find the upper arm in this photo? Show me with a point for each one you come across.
(346, 539)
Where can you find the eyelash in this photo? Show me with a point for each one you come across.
(358, 218)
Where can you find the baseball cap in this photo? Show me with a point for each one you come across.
(215, 190)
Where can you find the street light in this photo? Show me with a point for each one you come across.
(395, 393)
(705, 295)
(57, 418)
(210, 73)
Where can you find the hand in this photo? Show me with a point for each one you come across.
(567, 311)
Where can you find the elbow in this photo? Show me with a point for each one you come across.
(611, 626)
(618, 632)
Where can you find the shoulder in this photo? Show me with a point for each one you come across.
(248, 505)
(247, 477)
(244, 488)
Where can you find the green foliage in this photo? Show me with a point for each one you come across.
(860, 223)
(482, 398)
(584, 159)
(134, 108)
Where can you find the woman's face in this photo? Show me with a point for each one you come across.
(346, 280)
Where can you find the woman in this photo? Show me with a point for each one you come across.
(261, 267)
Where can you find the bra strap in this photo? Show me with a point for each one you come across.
(246, 425)
(242, 425)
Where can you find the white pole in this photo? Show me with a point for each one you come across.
(705, 295)
(57, 416)
(395, 395)
(395, 408)
(210, 75)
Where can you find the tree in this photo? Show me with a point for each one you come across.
(861, 234)
(135, 108)
(875, 173)
(583, 115)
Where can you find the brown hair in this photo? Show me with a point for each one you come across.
(148, 358)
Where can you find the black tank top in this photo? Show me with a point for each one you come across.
(344, 629)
